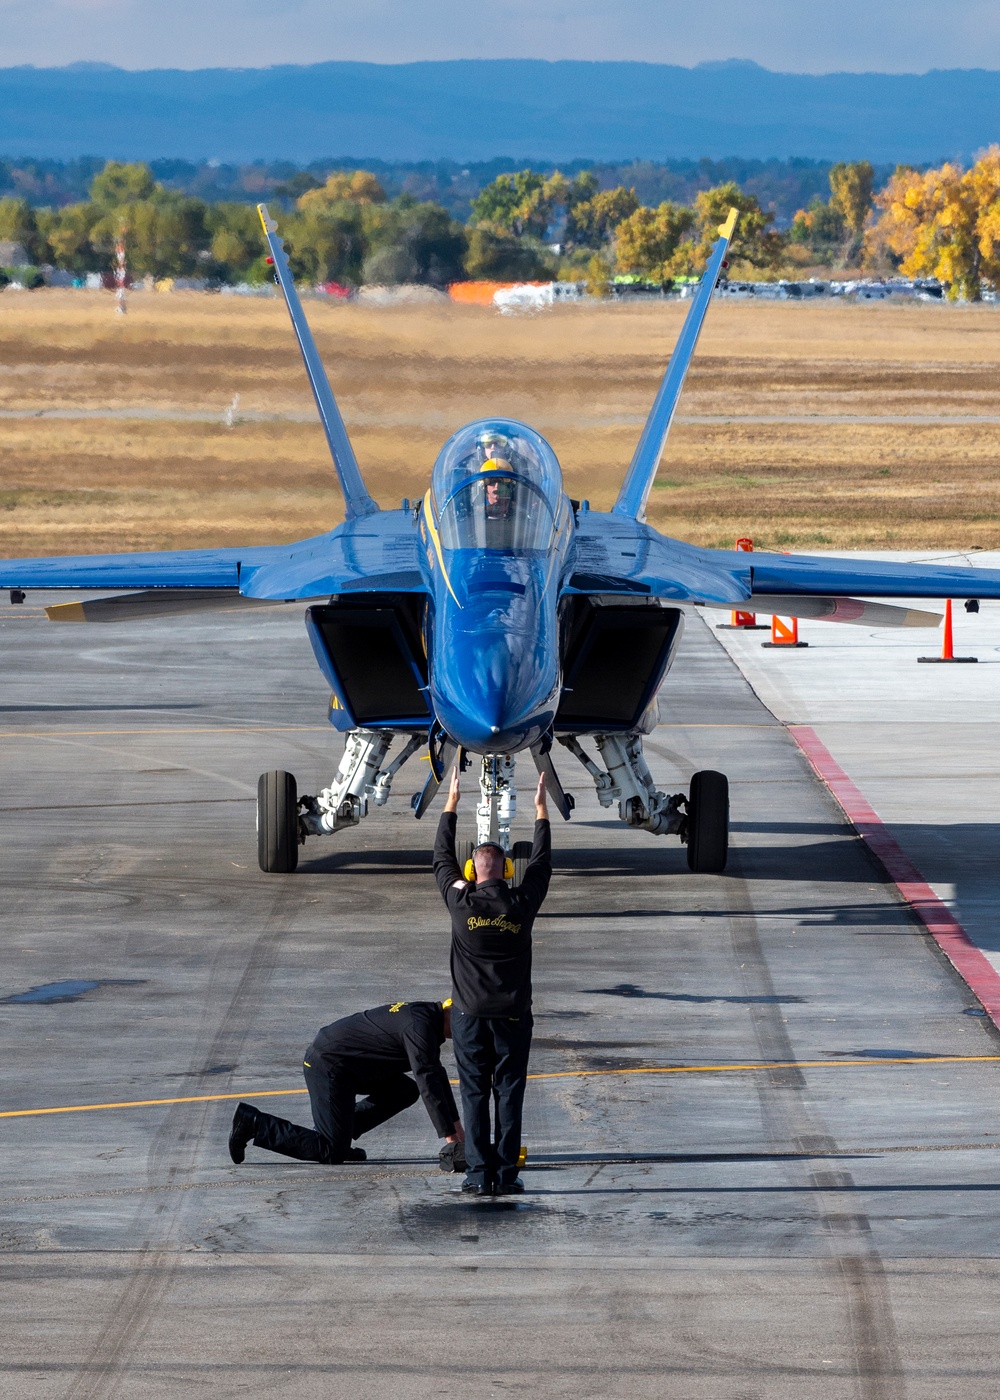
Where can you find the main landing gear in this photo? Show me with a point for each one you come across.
(285, 820)
(701, 820)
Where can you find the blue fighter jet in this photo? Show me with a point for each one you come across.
(495, 616)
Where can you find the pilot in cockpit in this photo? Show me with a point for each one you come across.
(499, 494)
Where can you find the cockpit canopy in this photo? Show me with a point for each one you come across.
(496, 485)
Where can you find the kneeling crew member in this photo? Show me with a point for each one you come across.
(491, 977)
(367, 1054)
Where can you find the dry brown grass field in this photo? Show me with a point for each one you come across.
(406, 377)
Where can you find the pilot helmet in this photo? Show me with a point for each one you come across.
(493, 444)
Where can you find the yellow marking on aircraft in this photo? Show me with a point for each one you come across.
(549, 1074)
(436, 538)
(726, 229)
(66, 612)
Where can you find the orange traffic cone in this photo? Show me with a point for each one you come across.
(740, 621)
(948, 642)
(784, 634)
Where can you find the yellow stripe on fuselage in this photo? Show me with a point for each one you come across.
(436, 538)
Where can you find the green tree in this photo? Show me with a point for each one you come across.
(326, 243)
(646, 242)
(165, 236)
(18, 224)
(500, 257)
(755, 242)
(516, 204)
(591, 222)
(119, 183)
(67, 233)
(411, 241)
(852, 189)
(237, 242)
(822, 230)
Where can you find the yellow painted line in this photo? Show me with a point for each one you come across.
(211, 729)
(551, 1074)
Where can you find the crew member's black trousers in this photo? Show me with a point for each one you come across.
(492, 1057)
(338, 1117)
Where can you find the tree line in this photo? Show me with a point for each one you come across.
(527, 226)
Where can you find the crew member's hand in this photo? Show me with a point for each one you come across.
(541, 810)
(458, 1135)
(454, 792)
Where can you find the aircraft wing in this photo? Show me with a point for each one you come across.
(616, 555)
(372, 553)
(818, 575)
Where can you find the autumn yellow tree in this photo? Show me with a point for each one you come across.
(755, 242)
(343, 186)
(647, 241)
(943, 223)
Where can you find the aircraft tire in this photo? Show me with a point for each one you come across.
(463, 854)
(520, 854)
(708, 823)
(277, 823)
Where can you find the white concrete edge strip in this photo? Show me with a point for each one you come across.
(970, 964)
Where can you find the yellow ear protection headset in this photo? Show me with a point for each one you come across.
(508, 865)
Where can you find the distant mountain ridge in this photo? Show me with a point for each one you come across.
(475, 109)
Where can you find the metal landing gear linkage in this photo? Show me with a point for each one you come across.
(700, 819)
(360, 779)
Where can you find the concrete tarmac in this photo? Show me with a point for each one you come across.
(824, 1226)
(918, 739)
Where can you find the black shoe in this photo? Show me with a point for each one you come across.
(242, 1131)
(352, 1154)
(510, 1188)
(477, 1188)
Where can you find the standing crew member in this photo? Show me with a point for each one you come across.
(367, 1054)
(491, 979)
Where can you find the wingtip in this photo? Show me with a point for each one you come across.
(269, 225)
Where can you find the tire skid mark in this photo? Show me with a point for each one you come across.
(854, 1260)
(174, 1150)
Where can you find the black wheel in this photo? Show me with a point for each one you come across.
(463, 851)
(277, 823)
(520, 854)
(708, 823)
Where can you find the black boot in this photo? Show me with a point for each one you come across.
(242, 1131)
(304, 1144)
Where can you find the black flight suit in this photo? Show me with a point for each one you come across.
(367, 1054)
(491, 996)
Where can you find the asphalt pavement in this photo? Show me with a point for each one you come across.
(744, 1180)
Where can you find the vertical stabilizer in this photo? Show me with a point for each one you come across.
(642, 469)
(356, 497)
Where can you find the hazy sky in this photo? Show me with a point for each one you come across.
(788, 35)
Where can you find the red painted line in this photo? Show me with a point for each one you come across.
(969, 962)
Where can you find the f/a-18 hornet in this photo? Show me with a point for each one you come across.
(495, 616)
